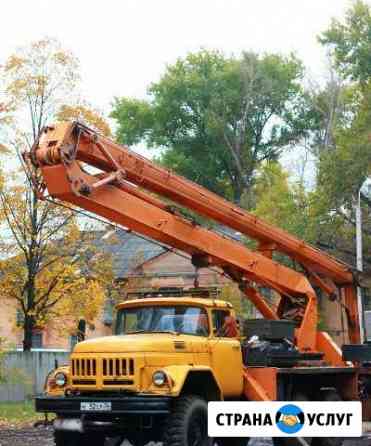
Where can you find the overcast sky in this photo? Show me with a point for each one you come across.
(123, 45)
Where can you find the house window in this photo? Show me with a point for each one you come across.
(37, 340)
(19, 318)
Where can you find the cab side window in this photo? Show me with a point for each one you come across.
(218, 317)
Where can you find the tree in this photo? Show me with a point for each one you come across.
(341, 172)
(44, 263)
(350, 42)
(39, 79)
(346, 162)
(5, 120)
(5, 115)
(330, 107)
(52, 267)
(69, 280)
(218, 117)
(84, 113)
(242, 306)
(292, 205)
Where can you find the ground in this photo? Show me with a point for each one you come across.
(29, 436)
(13, 414)
(17, 429)
(26, 436)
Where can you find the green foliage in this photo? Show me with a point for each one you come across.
(341, 172)
(350, 42)
(283, 204)
(17, 414)
(242, 306)
(345, 164)
(217, 118)
(135, 119)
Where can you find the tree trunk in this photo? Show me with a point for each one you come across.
(29, 319)
(241, 186)
(237, 194)
(27, 332)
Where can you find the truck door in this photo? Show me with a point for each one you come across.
(226, 356)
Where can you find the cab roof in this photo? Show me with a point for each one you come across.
(199, 302)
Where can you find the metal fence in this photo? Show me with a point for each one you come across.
(23, 373)
(368, 325)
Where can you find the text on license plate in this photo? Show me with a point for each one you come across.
(96, 406)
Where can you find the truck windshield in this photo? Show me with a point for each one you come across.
(160, 319)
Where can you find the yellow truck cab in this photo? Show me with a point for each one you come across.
(152, 379)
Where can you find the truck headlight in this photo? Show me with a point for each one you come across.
(60, 379)
(159, 378)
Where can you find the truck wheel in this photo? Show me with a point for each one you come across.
(328, 395)
(114, 441)
(286, 441)
(187, 423)
(290, 442)
(324, 395)
(63, 438)
(232, 441)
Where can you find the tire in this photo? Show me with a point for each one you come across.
(187, 423)
(114, 441)
(287, 441)
(328, 395)
(64, 438)
(232, 441)
(324, 395)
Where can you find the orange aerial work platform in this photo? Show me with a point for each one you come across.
(126, 188)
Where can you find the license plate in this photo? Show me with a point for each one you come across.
(96, 406)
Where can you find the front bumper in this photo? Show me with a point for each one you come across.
(120, 405)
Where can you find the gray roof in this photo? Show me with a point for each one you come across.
(127, 249)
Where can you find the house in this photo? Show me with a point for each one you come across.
(139, 266)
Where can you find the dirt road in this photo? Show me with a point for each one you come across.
(26, 437)
(44, 437)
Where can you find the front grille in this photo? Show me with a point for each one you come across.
(84, 382)
(118, 367)
(118, 382)
(84, 367)
(115, 371)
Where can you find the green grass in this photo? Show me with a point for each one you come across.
(18, 413)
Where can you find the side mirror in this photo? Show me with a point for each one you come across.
(81, 330)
